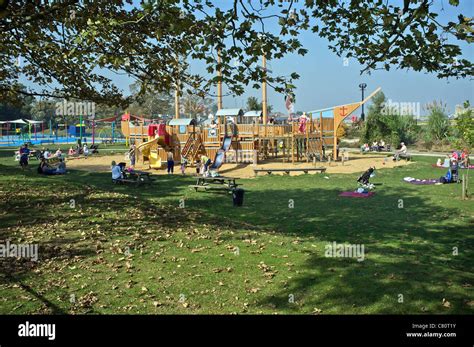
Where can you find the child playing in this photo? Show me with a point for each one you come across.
(61, 169)
(184, 162)
(198, 167)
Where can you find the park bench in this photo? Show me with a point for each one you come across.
(287, 171)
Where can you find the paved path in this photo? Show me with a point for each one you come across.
(414, 153)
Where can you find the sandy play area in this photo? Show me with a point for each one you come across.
(356, 163)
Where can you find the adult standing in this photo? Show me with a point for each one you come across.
(170, 161)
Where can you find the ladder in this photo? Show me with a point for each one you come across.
(192, 147)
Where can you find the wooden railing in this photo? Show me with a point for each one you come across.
(243, 131)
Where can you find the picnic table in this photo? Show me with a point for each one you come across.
(216, 183)
(134, 177)
(139, 176)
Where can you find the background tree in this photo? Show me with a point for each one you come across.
(20, 109)
(88, 40)
(196, 107)
(385, 123)
(375, 128)
(464, 127)
(438, 122)
(254, 105)
(150, 103)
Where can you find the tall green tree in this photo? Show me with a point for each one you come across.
(464, 126)
(254, 105)
(386, 123)
(375, 127)
(150, 103)
(22, 108)
(438, 122)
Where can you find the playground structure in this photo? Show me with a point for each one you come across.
(19, 131)
(240, 138)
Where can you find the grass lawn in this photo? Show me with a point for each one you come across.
(166, 249)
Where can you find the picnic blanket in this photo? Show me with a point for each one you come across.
(357, 195)
(420, 181)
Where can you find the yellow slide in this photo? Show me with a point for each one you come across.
(154, 160)
(152, 155)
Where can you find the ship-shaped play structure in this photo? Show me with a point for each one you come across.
(239, 137)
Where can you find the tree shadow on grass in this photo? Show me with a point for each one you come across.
(408, 250)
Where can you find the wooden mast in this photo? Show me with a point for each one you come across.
(219, 81)
(264, 89)
(176, 92)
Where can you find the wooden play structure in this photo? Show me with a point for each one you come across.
(238, 139)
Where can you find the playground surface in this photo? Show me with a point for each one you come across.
(357, 163)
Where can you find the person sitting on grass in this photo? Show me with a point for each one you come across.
(375, 146)
(365, 147)
(61, 169)
(116, 171)
(381, 145)
(71, 151)
(45, 169)
(447, 161)
(58, 153)
(402, 151)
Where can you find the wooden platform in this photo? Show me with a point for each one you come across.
(288, 170)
